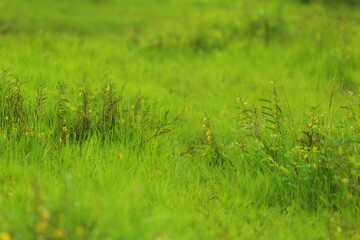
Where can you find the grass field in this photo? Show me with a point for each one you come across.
(193, 119)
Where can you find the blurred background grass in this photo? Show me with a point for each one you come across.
(199, 55)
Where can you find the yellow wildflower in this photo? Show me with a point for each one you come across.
(6, 118)
(345, 181)
(41, 227)
(79, 231)
(5, 236)
(30, 133)
(45, 214)
(208, 134)
(64, 129)
(58, 233)
(41, 135)
(314, 119)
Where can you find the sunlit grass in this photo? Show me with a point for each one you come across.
(199, 120)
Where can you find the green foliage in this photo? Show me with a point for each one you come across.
(107, 116)
(208, 145)
(316, 162)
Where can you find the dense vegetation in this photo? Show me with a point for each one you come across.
(160, 120)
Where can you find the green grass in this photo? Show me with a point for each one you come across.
(166, 120)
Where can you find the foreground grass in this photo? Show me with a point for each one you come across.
(196, 154)
(195, 204)
(98, 194)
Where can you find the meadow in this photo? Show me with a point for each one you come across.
(192, 119)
